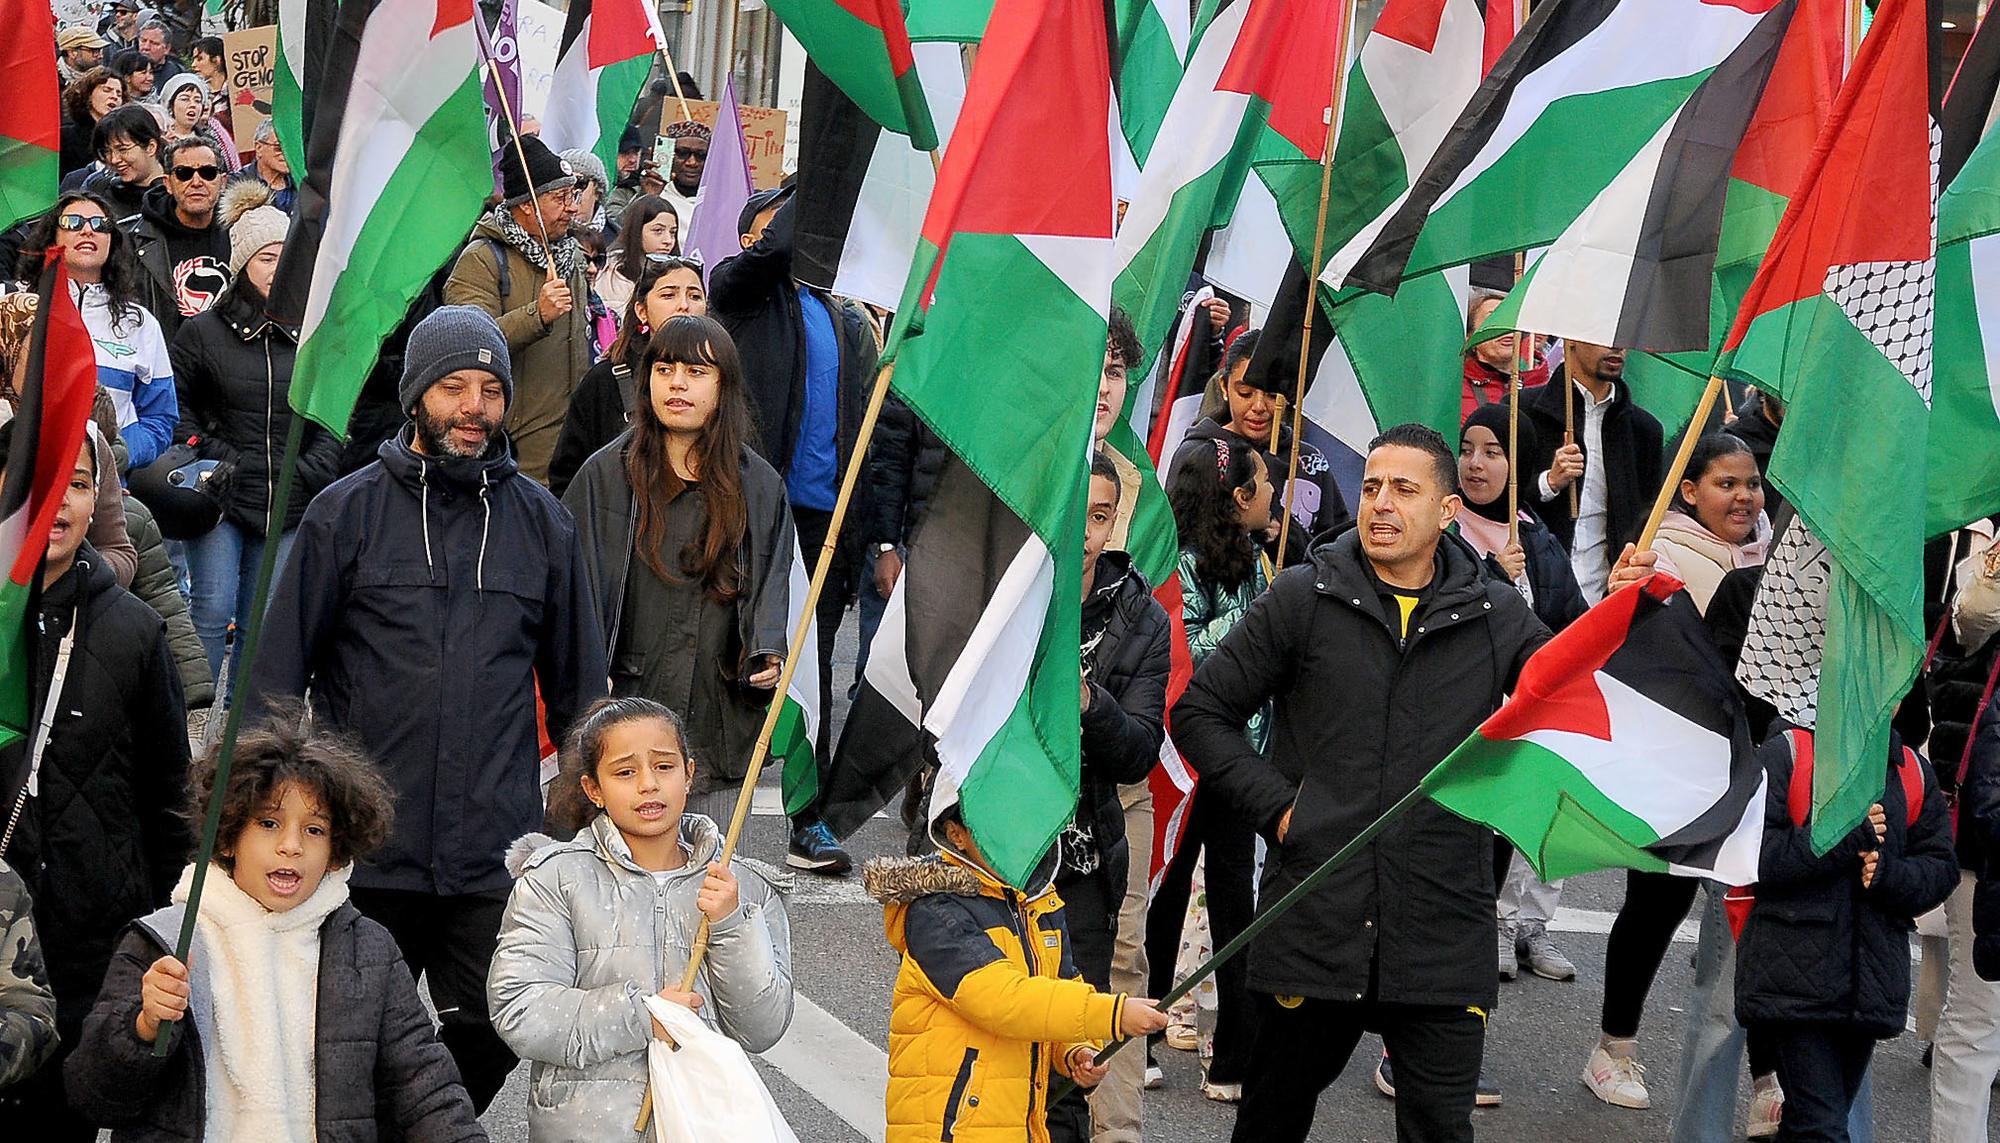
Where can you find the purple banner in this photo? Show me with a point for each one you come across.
(503, 47)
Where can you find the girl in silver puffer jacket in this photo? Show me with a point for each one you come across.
(597, 924)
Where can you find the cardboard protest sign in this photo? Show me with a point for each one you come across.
(763, 135)
(250, 57)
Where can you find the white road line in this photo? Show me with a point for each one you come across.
(768, 802)
(835, 1065)
(1597, 923)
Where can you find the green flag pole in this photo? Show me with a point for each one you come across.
(1271, 913)
(259, 597)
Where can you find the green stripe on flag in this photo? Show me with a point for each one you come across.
(1406, 351)
(1147, 69)
(951, 21)
(15, 670)
(28, 178)
(422, 215)
(791, 743)
(855, 56)
(618, 88)
(1542, 803)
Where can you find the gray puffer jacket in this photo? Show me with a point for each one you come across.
(588, 935)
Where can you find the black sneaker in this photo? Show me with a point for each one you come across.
(1489, 1092)
(1385, 1077)
(814, 849)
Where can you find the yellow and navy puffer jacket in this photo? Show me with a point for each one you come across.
(986, 1001)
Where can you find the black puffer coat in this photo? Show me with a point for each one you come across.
(380, 1072)
(1820, 949)
(233, 374)
(104, 840)
(904, 463)
(1358, 721)
(423, 598)
(1125, 722)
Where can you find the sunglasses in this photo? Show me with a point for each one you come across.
(208, 172)
(77, 222)
(665, 262)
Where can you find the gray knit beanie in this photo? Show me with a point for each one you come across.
(449, 339)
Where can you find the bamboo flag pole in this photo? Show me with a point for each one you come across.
(759, 754)
(1673, 481)
(260, 594)
(1312, 277)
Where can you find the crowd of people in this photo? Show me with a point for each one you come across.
(567, 513)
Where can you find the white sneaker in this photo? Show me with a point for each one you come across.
(1222, 1092)
(1767, 1107)
(1617, 1080)
(1154, 1076)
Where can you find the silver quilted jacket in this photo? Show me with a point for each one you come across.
(588, 935)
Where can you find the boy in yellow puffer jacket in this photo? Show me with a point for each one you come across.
(987, 999)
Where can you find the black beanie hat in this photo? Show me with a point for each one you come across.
(548, 169)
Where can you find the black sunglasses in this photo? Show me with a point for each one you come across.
(209, 172)
(76, 222)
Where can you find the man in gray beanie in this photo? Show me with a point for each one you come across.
(424, 598)
(524, 268)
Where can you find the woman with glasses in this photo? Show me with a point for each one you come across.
(650, 229)
(602, 406)
(132, 360)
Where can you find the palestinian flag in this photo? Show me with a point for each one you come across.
(1624, 746)
(862, 190)
(1627, 99)
(30, 119)
(1149, 42)
(1838, 323)
(306, 32)
(608, 48)
(992, 589)
(1965, 404)
(398, 173)
(59, 386)
(1769, 163)
(798, 722)
(1191, 187)
(864, 48)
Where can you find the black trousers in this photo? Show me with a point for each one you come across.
(1820, 1067)
(811, 525)
(1302, 1048)
(1655, 905)
(35, 1108)
(1228, 873)
(1090, 911)
(450, 941)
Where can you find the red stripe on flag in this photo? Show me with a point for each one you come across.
(68, 387)
(1415, 22)
(1285, 55)
(1502, 22)
(1797, 99)
(450, 14)
(618, 32)
(1866, 194)
(28, 65)
(1041, 88)
(887, 16)
(1171, 790)
(1559, 683)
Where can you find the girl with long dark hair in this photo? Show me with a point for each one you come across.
(689, 548)
(1221, 493)
(649, 230)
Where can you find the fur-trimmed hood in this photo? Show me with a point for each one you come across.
(901, 880)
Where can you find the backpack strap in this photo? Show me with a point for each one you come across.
(1798, 798)
(1912, 772)
(506, 284)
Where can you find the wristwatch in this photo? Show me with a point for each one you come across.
(884, 549)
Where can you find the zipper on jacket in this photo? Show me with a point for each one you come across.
(1019, 904)
(956, 1099)
(272, 528)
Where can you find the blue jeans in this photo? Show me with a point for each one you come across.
(222, 574)
(1711, 1056)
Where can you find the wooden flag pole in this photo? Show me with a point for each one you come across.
(1514, 423)
(674, 78)
(1312, 278)
(514, 134)
(822, 570)
(1569, 438)
(1672, 483)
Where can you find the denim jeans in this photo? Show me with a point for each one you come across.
(1711, 1063)
(222, 574)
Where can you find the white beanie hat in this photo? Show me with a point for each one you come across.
(254, 230)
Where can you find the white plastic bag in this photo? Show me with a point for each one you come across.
(701, 1092)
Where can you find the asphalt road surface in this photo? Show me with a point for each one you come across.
(827, 1075)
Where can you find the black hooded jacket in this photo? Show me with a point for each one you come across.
(1359, 718)
(423, 599)
(902, 471)
(1632, 452)
(183, 269)
(1126, 645)
(103, 839)
(233, 374)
